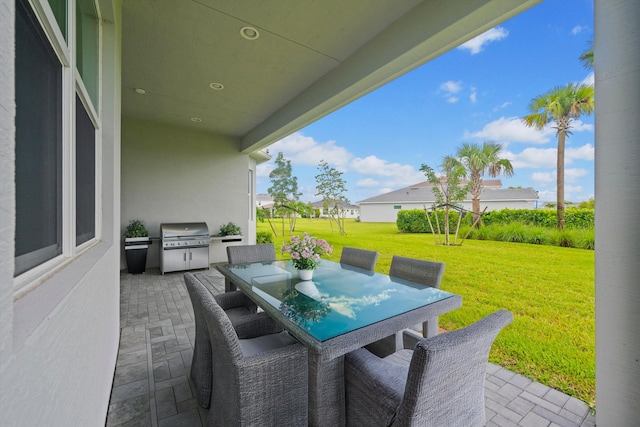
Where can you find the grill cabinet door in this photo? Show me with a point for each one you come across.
(198, 258)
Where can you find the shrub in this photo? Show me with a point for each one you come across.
(564, 238)
(412, 221)
(514, 232)
(586, 239)
(264, 237)
(136, 228)
(537, 235)
(574, 217)
(230, 229)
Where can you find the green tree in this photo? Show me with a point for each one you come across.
(331, 187)
(587, 57)
(478, 160)
(560, 105)
(284, 187)
(447, 189)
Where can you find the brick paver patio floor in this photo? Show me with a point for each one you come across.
(151, 385)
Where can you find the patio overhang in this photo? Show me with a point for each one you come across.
(198, 71)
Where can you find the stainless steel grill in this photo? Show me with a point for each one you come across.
(185, 246)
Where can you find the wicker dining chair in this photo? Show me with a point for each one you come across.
(427, 273)
(261, 380)
(245, 322)
(248, 253)
(439, 383)
(360, 258)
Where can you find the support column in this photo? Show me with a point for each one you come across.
(617, 166)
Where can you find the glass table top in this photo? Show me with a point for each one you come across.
(339, 298)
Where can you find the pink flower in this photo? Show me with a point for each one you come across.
(306, 250)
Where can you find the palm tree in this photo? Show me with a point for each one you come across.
(561, 105)
(587, 57)
(478, 160)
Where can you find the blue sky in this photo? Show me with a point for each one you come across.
(474, 93)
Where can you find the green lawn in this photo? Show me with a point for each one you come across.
(549, 290)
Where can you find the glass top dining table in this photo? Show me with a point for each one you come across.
(341, 309)
(339, 298)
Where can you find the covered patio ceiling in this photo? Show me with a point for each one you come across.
(309, 59)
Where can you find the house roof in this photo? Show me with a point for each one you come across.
(343, 205)
(199, 72)
(423, 194)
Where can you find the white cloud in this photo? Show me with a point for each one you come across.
(546, 196)
(578, 29)
(264, 169)
(507, 130)
(368, 183)
(474, 95)
(586, 152)
(477, 44)
(501, 106)
(589, 80)
(580, 126)
(533, 158)
(304, 150)
(543, 178)
(451, 87)
(572, 189)
(398, 174)
(571, 176)
(574, 174)
(511, 129)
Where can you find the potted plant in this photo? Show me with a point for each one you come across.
(230, 229)
(230, 232)
(305, 253)
(136, 244)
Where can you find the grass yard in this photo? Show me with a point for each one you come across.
(549, 290)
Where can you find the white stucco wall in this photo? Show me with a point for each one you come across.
(617, 89)
(172, 174)
(59, 341)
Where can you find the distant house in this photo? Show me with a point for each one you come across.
(264, 201)
(385, 207)
(347, 210)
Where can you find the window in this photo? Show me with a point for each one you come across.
(87, 31)
(56, 139)
(59, 9)
(85, 175)
(397, 206)
(38, 145)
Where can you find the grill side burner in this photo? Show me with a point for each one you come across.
(185, 246)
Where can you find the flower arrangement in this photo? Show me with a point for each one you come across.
(306, 251)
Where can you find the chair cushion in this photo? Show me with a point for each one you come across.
(251, 347)
(401, 357)
(237, 313)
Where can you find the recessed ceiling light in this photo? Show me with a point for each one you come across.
(249, 33)
(196, 119)
(140, 91)
(216, 86)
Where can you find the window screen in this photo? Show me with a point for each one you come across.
(38, 86)
(85, 175)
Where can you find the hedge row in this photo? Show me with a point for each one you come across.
(415, 220)
(573, 217)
